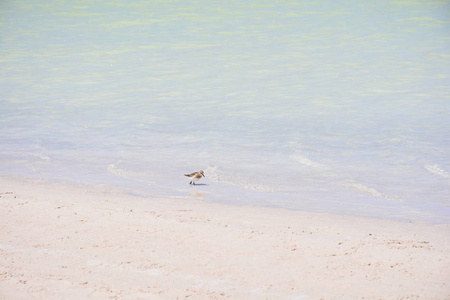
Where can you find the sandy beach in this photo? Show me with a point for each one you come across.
(61, 242)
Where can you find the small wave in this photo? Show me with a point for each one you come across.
(437, 171)
(258, 187)
(216, 175)
(42, 156)
(363, 188)
(213, 174)
(138, 177)
(117, 171)
(307, 162)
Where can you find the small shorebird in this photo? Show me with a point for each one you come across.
(195, 176)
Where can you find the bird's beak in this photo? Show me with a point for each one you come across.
(203, 175)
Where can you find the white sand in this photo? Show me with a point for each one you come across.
(65, 243)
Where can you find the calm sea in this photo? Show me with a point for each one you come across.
(323, 106)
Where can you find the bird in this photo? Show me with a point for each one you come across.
(195, 176)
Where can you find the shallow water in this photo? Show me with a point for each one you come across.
(329, 106)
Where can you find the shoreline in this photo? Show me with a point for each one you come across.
(77, 243)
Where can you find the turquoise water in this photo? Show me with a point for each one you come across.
(328, 106)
